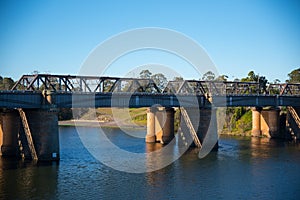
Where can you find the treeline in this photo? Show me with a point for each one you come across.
(6, 83)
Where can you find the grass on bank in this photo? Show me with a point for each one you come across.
(238, 121)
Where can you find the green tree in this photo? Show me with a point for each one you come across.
(222, 78)
(294, 76)
(276, 81)
(145, 74)
(252, 77)
(6, 83)
(178, 78)
(208, 76)
(261, 80)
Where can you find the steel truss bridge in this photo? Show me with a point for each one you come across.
(69, 91)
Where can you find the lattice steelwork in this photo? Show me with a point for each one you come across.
(284, 89)
(68, 83)
(71, 83)
(214, 87)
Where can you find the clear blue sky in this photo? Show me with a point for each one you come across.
(57, 36)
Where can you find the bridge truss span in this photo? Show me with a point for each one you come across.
(34, 91)
(74, 83)
(71, 83)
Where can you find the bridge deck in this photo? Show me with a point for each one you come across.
(32, 99)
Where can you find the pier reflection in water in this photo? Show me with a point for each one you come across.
(246, 168)
(21, 180)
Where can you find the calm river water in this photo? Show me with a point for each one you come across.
(242, 168)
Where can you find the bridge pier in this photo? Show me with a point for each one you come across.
(160, 119)
(43, 125)
(200, 119)
(160, 124)
(9, 129)
(205, 121)
(1, 134)
(256, 129)
(168, 128)
(270, 124)
(293, 122)
(266, 122)
(151, 137)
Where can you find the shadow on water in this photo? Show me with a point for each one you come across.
(27, 180)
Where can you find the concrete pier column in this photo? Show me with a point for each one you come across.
(256, 126)
(168, 128)
(10, 126)
(150, 137)
(43, 125)
(200, 119)
(208, 129)
(205, 121)
(194, 116)
(1, 133)
(160, 119)
(270, 123)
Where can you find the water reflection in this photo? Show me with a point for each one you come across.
(26, 180)
(242, 168)
(152, 178)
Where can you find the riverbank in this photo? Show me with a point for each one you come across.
(114, 124)
(96, 123)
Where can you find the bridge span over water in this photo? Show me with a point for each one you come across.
(29, 109)
(65, 91)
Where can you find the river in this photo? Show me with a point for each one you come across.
(242, 168)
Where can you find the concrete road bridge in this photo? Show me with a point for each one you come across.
(29, 123)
